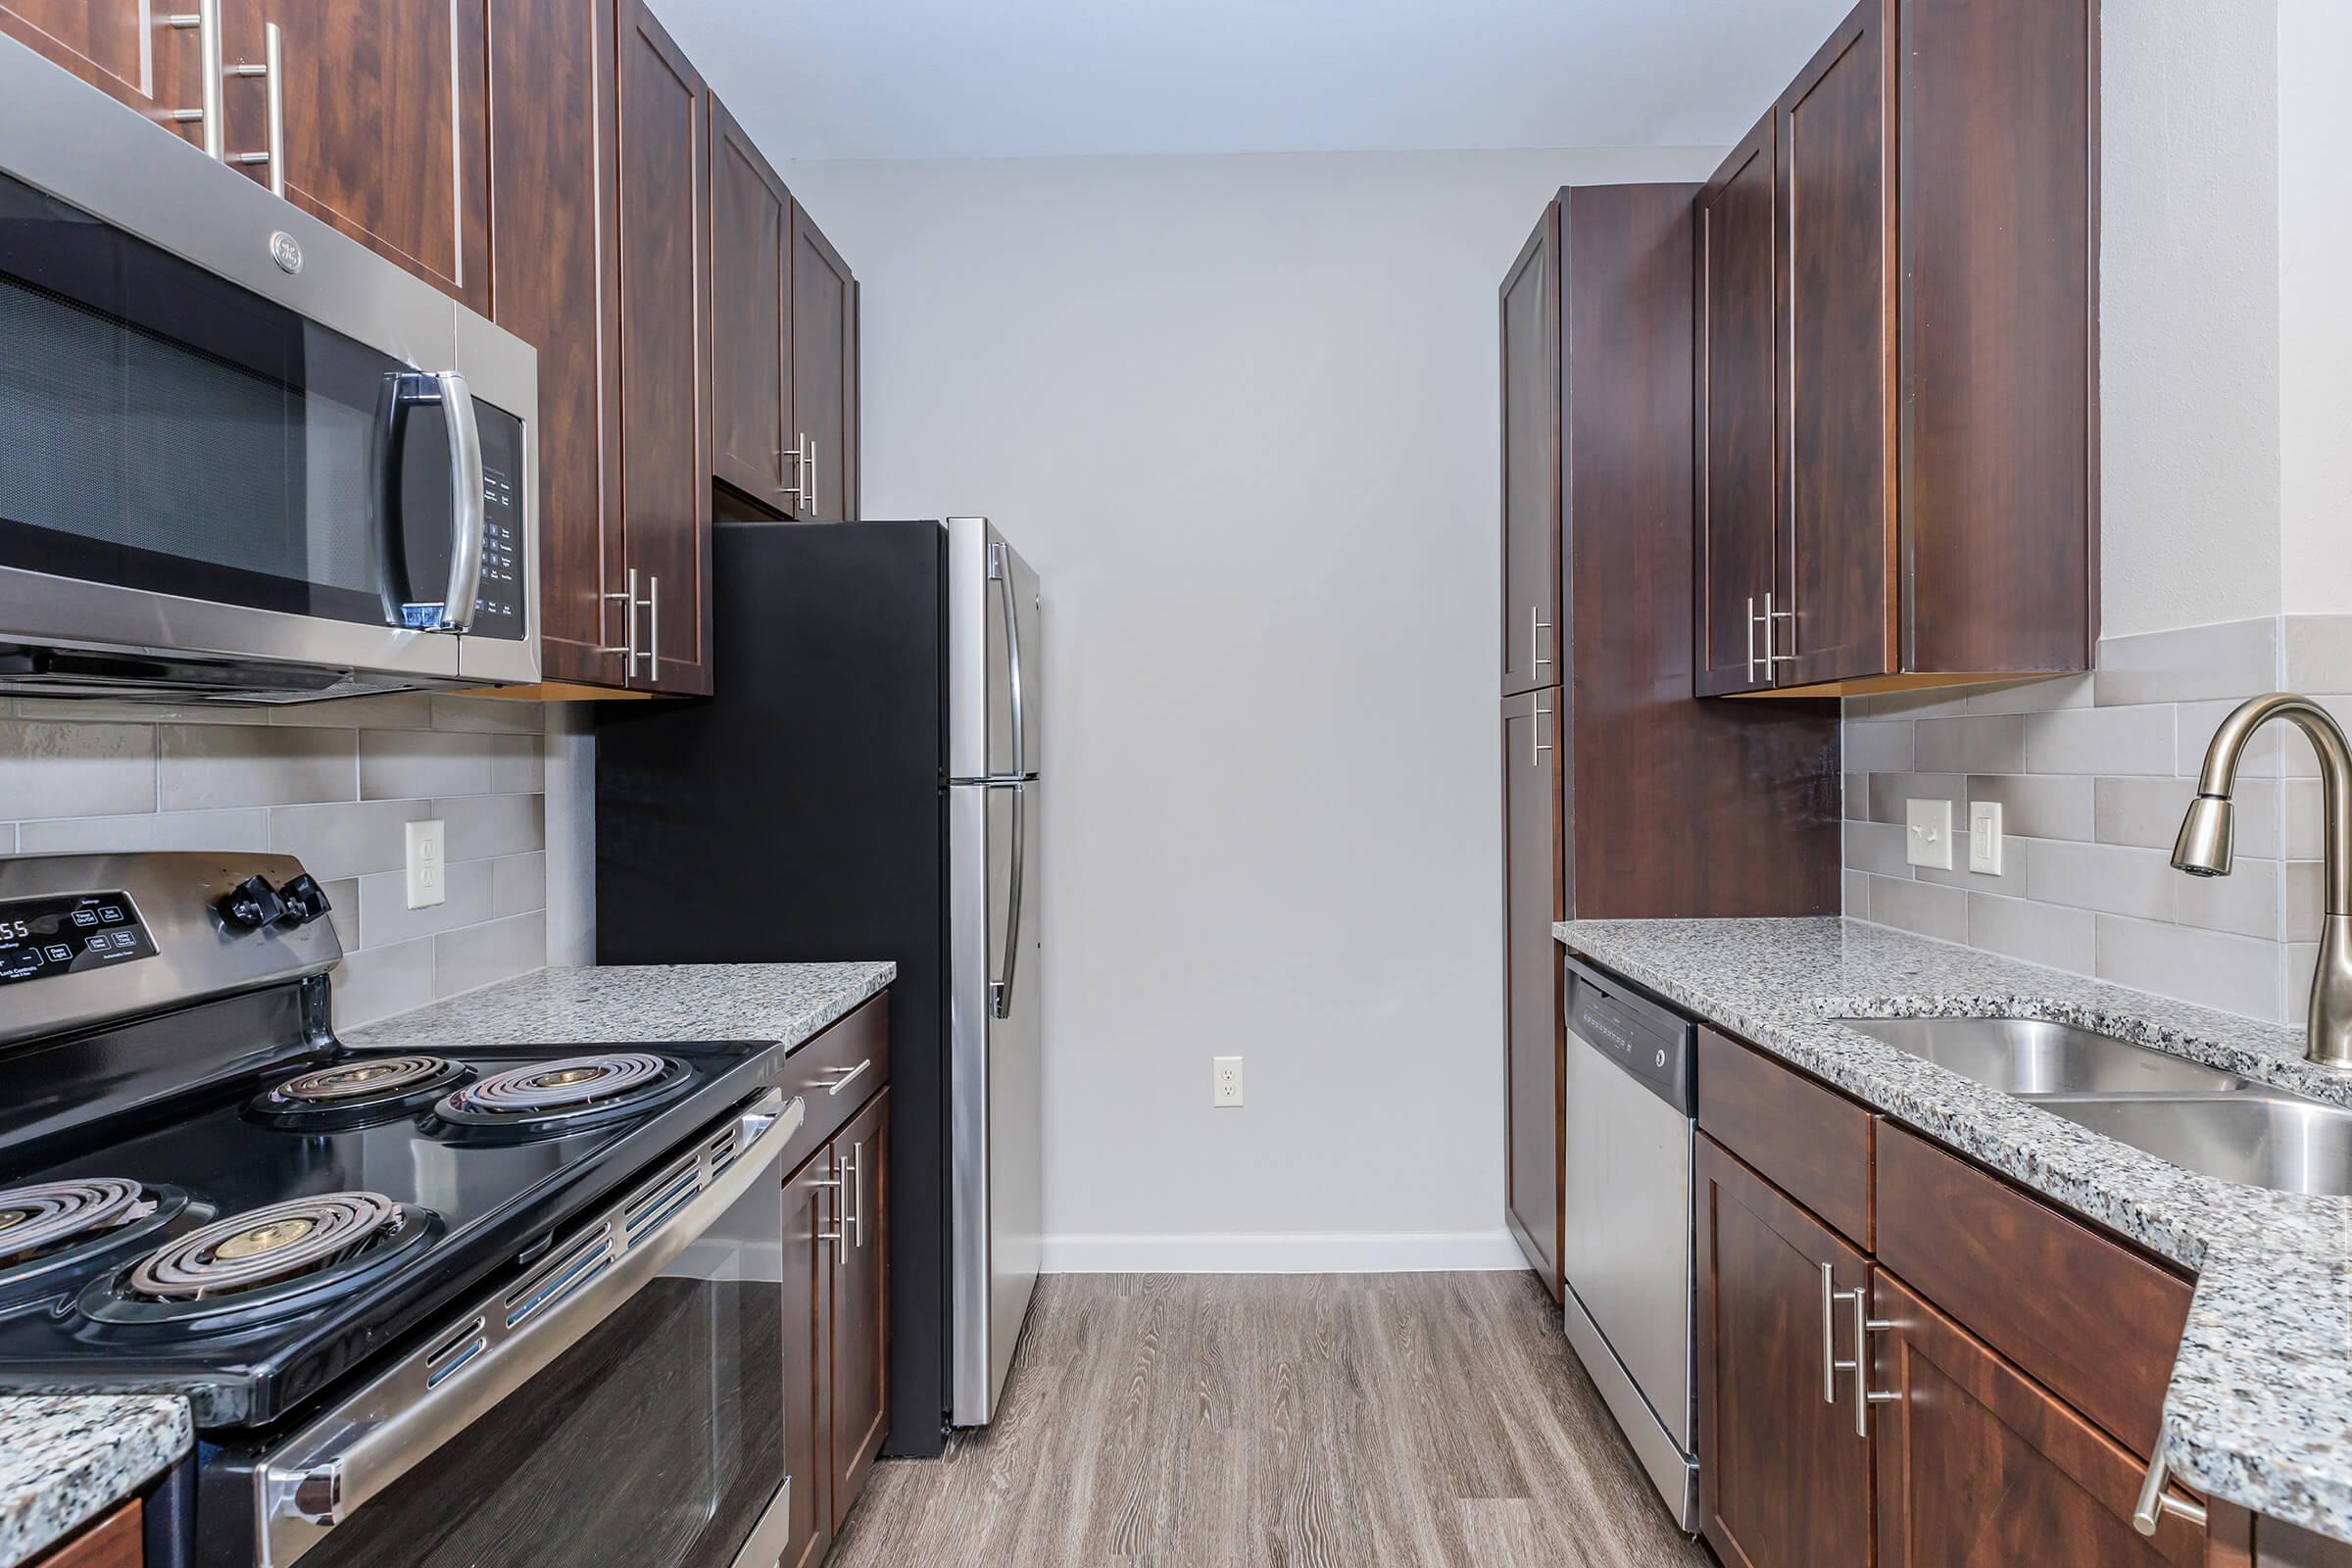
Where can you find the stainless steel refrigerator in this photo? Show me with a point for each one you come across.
(865, 783)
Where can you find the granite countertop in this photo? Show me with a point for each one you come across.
(2259, 1412)
(786, 1002)
(65, 1459)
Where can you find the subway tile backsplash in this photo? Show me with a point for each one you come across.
(332, 783)
(2093, 773)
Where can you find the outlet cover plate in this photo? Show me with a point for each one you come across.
(429, 867)
(1985, 837)
(1927, 834)
(1225, 1087)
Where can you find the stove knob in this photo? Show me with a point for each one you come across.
(251, 904)
(305, 900)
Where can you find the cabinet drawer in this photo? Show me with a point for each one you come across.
(835, 1074)
(2093, 1322)
(1807, 1140)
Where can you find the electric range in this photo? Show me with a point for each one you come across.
(412, 1297)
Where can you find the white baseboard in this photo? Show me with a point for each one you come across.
(1313, 1253)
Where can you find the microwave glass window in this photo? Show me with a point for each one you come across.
(162, 428)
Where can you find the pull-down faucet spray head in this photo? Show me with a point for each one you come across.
(2203, 847)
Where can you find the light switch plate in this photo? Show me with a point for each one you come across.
(1985, 837)
(1927, 835)
(428, 870)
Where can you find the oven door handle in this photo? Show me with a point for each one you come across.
(351, 1454)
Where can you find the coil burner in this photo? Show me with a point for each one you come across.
(261, 1262)
(53, 1231)
(567, 1096)
(359, 1090)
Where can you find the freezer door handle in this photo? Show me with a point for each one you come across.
(999, 990)
(999, 568)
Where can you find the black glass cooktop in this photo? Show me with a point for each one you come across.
(421, 1176)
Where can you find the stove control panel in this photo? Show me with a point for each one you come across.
(69, 933)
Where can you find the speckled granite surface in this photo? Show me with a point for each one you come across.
(779, 1001)
(2260, 1407)
(65, 1459)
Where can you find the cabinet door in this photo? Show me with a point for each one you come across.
(751, 294)
(812, 1206)
(1532, 969)
(1979, 1465)
(861, 1382)
(388, 126)
(117, 1540)
(824, 369)
(1785, 1482)
(1735, 427)
(130, 51)
(1837, 555)
(554, 276)
(664, 268)
(1531, 461)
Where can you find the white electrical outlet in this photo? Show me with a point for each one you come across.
(1985, 837)
(1928, 839)
(1226, 1088)
(428, 878)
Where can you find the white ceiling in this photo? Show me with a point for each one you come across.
(988, 79)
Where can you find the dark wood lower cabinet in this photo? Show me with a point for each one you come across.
(1981, 1466)
(117, 1540)
(1786, 1480)
(860, 1338)
(835, 1326)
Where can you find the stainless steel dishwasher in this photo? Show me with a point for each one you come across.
(1626, 1182)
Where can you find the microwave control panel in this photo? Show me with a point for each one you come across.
(68, 934)
(500, 608)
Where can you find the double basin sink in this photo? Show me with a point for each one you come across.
(2198, 1117)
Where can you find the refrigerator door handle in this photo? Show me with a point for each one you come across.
(999, 990)
(1001, 568)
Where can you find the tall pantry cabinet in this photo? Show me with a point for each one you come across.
(1608, 764)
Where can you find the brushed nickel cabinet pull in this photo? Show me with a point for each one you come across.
(206, 21)
(272, 71)
(2155, 1502)
(629, 649)
(1537, 626)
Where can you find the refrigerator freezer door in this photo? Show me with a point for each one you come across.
(998, 1111)
(995, 656)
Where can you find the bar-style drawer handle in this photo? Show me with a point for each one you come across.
(847, 1074)
(2155, 1502)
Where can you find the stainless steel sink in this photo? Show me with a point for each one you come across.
(2264, 1140)
(2028, 1056)
(2200, 1118)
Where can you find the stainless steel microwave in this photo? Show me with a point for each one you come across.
(242, 457)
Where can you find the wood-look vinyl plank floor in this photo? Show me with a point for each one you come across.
(1280, 1421)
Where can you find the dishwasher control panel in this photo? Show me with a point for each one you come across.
(1654, 1044)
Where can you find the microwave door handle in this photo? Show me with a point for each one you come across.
(469, 510)
(352, 1453)
(394, 399)
(1000, 994)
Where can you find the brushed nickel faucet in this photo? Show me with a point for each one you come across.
(2203, 850)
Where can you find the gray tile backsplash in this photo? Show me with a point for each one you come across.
(2093, 773)
(332, 783)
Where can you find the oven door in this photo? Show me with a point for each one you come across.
(622, 1401)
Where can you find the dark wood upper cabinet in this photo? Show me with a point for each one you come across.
(861, 1320)
(1532, 1067)
(553, 284)
(1933, 338)
(665, 325)
(1786, 1483)
(1736, 447)
(1530, 308)
(824, 373)
(750, 301)
(388, 126)
(1835, 569)
(1978, 1463)
(131, 51)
